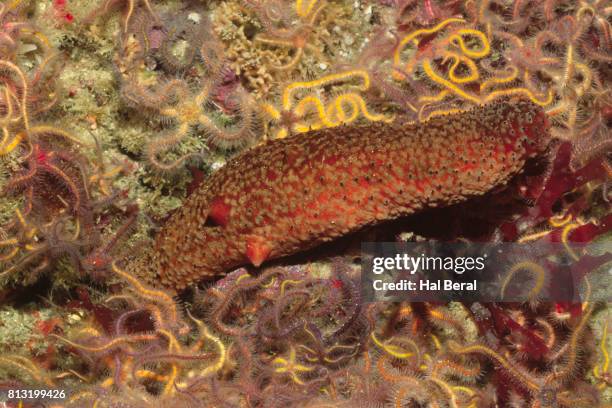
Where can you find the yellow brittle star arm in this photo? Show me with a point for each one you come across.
(414, 34)
(391, 349)
(457, 39)
(600, 369)
(447, 84)
(473, 73)
(291, 367)
(341, 76)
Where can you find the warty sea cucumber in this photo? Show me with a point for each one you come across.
(292, 194)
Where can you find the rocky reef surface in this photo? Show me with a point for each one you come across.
(114, 111)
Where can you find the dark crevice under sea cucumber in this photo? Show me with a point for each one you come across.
(292, 194)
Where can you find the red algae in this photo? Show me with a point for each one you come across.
(331, 182)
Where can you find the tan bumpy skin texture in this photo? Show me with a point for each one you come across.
(292, 194)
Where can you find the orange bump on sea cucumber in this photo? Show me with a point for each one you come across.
(295, 193)
(257, 250)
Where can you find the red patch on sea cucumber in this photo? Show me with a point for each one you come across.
(323, 197)
(219, 212)
(271, 174)
(331, 160)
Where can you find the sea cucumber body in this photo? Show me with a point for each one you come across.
(292, 194)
